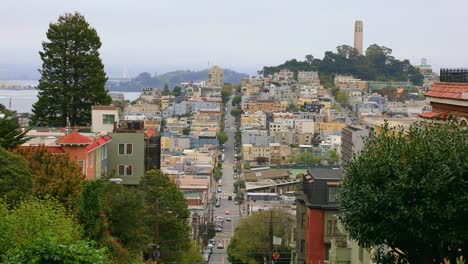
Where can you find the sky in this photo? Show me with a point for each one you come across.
(244, 35)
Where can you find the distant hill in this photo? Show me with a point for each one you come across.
(172, 79)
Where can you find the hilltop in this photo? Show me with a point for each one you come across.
(173, 78)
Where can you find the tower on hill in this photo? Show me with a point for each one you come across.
(358, 28)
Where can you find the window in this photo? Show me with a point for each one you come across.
(331, 194)
(125, 170)
(108, 119)
(81, 163)
(329, 227)
(125, 149)
(129, 149)
(303, 219)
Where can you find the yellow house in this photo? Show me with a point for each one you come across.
(164, 104)
(165, 142)
(331, 126)
(247, 152)
(301, 101)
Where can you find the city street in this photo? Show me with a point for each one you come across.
(219, 256)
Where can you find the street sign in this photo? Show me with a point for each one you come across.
(276, 255)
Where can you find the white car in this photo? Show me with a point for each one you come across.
(220, 245)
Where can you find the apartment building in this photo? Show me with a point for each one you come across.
(352, 141)
(255, 120)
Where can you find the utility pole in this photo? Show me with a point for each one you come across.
(270, 256)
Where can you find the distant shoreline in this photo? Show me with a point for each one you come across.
(17, 88)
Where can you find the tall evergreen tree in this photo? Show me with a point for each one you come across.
(73, 76)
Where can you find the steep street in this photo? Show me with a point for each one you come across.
(220, 255)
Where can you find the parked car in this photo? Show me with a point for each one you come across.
(219, 189)
(218, 229)
(220, 245)
(236, 202)
(212, 241)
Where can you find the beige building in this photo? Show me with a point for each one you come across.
(251, 152)
(305, 139)
(103, 118)
(358, 34)
(255, 120)
(215, 76)
(349, 82)
(331, 126)
(304, 126)
(308, 77)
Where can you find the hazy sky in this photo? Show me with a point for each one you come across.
(243, 35)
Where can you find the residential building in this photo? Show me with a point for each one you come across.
(349, 83)
(308, 77)
(284, 76)
(286, 137)
(103, 118)
(279, 153)
(304, 126)
(215, 77)
(126, 154)
(305, 139)
(317, 216)
(330, 126)
(197, 105)
(148, 111)
(352, 141)
(255, 120)
(251, 152)
(330, 143)
(255, 136)
(268, 106)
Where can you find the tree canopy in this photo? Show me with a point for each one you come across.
(10, 133)
(250, 243)
(377, 64)
(16, 178)
(72, 75)
(40, 231)
(408, 190)
(166, 204)
(54, 175)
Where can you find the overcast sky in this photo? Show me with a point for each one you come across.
(243, 35)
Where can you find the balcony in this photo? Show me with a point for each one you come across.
(129, 126)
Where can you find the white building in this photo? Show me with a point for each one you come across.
(103, 118)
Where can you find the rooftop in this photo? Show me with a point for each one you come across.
(447, 90)
(74, 138)
(325, 174)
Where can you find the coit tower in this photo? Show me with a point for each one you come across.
(358, 36)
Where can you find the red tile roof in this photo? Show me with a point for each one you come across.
(100, 141)
(447, 90)
(74, 138)
(433, 115)
(149, 133)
